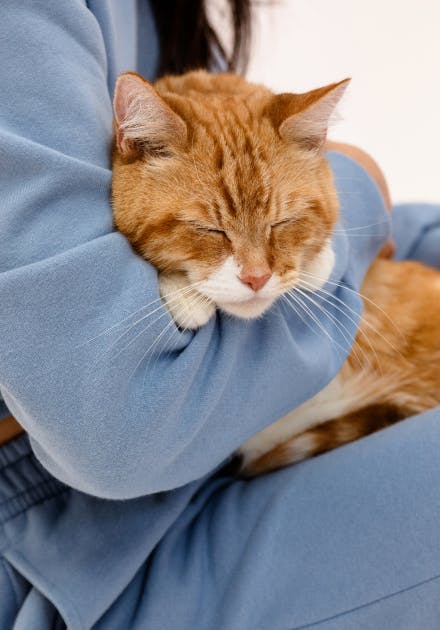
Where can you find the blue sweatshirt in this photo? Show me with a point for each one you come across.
(105, 416)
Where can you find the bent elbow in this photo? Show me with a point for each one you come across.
(112, 473)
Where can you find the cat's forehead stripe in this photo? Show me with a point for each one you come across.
(215, 206)
(247, 163)
(227, 197)
(239, 152)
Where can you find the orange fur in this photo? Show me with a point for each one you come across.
(229, 169)
(234, 172)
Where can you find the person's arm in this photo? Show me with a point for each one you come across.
(370, 165)
(367, 162)
(117, 406)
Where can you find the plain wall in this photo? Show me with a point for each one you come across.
(391, 49)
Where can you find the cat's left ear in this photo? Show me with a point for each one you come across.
(304, 118)
(142, 118)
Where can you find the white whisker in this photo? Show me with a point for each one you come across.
(351, 319)
(355, 322)
(120, 322)
(303, 319)
(316, 320)
(194, 301)
(363, 297)
(332, 318)
(175, 295)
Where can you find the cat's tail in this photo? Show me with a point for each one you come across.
(325, 437)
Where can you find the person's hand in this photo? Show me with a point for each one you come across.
(376, 173)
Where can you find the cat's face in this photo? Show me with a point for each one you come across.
(230, 189)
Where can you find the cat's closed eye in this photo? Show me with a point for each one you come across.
(283, 222)
(207, 228)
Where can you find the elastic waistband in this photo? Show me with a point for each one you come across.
(23, 481)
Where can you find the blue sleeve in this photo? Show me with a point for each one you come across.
(117, 401)
(416, 230)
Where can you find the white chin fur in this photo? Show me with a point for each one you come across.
(232, 296)
(248, 309)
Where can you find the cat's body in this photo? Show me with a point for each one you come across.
(224, 187)
(392, 372)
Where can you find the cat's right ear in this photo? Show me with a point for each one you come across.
(142, 118)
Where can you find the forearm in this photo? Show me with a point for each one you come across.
(109, 417)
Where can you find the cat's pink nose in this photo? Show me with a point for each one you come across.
(256, 282)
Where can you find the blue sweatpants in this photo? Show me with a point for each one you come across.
(348, 540)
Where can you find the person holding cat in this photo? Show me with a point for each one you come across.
(115, 510)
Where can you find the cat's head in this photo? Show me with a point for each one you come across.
(227, 183)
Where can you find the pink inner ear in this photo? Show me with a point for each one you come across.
(309, 126)
(140, 113)
(128, 88)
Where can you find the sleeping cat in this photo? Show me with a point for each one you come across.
(225, 188)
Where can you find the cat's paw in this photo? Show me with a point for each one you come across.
(187, 307)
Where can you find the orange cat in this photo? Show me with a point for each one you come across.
(224, 187)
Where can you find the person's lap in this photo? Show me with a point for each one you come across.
(351, 535)
(349, 539)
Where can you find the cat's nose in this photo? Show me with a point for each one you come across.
(256, 282)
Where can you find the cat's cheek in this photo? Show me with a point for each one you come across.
(315, 274)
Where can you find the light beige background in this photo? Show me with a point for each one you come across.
(391, 49)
